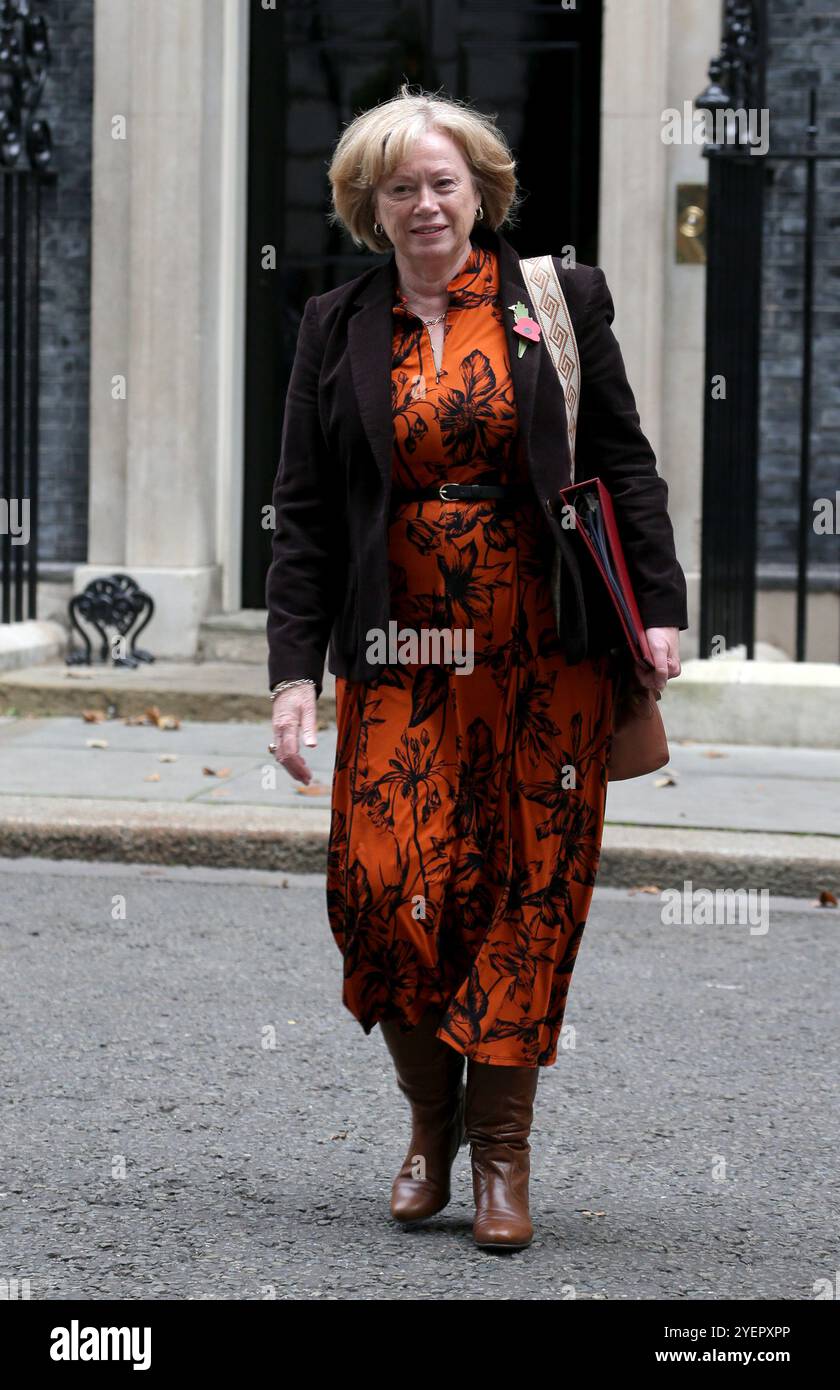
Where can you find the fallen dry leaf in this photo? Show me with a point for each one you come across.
(153, 716)
(668, 781)
(96, 742)
(93, 716)
(827, 899)
(152, 777)
(644, 888)
(216, 772)
(168, 758)
(313, 789)
(714, 753)
(162, 721)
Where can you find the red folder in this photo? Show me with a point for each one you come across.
(594, 516)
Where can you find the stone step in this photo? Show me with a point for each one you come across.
(199, 690)
(238, 637)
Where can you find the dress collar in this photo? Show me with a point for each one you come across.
(477, 280)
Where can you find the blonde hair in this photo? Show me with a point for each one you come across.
(379, 140)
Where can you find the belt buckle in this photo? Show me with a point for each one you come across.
(442, 491)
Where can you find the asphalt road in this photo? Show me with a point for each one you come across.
(153, 1145)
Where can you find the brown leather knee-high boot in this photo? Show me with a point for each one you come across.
(429, 1073)
(499, 1111)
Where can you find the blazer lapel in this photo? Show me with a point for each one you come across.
(524, 370)
(539, 396)
(369, 337)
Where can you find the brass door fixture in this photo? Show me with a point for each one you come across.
(691, 223)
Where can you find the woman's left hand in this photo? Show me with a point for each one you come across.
(664, 645)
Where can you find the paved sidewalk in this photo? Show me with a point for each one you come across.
(209, 793)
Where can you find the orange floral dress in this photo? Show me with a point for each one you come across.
(467, 805)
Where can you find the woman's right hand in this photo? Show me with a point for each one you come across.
(293, 714)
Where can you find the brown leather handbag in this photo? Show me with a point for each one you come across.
(639, 743)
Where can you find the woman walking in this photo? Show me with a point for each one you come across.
(423, 448)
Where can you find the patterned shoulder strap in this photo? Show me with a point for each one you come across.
(552, 311)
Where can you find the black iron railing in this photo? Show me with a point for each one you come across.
(25, 164)
(736, 202)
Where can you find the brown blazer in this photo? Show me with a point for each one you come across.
(328, 579)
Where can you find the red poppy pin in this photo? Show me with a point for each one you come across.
(527, 328)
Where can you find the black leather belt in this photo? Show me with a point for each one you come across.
(461, 492)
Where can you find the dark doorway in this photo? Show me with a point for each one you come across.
(313, 66)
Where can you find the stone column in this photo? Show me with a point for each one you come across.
(170, 156)
(656, 55)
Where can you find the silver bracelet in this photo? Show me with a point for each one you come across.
(287, 685)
